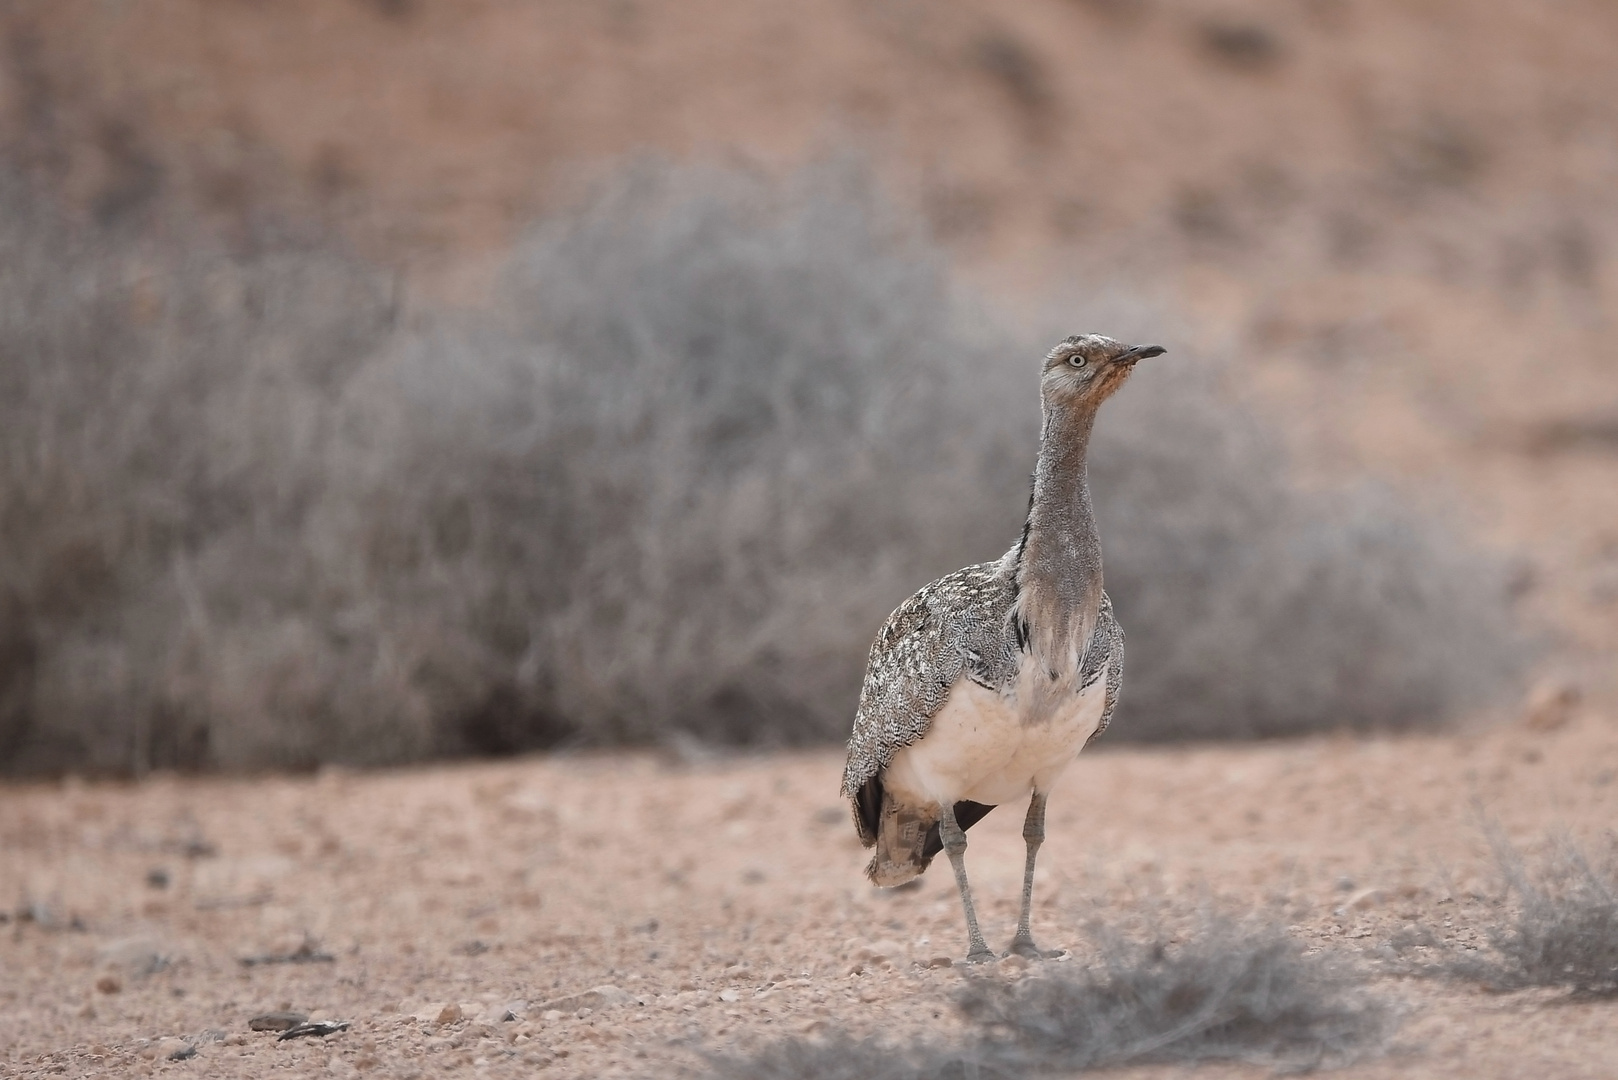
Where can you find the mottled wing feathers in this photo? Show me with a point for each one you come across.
(956, 627)
(1107, 645)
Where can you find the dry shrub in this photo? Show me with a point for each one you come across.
(1564, 930)
(669, 480)
(1225, 990)
(1254, 608)
(166, 435)
(709, 434)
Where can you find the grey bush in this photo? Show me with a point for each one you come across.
(1229, 989)
(165, 429)
(1224, 989)
(670, 478)
(1256, 608)
(1562, 932)
(751, 427)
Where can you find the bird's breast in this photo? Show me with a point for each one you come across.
(993, 746)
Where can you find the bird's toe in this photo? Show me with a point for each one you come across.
(1026, 948)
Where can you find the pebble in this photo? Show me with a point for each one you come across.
(730, 994)
(449, 1014)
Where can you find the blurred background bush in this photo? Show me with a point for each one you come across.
(386, 380)
(665, 484)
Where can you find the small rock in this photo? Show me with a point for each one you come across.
(551, 1016)
(449, 1014)
(109, 984)
(183, 1052)
(277, 1021)
(730, 994)
(1014, 963)
(157, 878)
(940, 962)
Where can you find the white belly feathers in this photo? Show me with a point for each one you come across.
(983, 746)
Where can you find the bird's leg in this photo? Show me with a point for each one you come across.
(1033, 833)
(955, 847)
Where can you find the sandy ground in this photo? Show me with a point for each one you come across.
(724, 900)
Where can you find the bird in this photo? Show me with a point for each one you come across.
(985, 685)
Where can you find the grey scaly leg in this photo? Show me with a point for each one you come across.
(955, 847)
(1033, 833)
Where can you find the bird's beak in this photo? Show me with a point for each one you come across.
(1139, 352)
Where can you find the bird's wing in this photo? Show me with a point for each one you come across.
(956, 627)
(1107, 645)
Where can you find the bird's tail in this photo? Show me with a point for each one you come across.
(901, 843)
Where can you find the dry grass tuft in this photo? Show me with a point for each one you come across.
(1227, 990)
(1256, 609)
(1563, 932)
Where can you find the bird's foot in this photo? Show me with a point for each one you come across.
(1025, 948)
(980, 955)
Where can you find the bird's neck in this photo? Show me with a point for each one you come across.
(1059, 559)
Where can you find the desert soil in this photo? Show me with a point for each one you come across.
(723, 900)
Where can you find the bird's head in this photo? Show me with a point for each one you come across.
(1087, 368)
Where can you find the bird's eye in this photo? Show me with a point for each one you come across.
(1076, 360)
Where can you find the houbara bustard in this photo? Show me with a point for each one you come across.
(982, 687)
